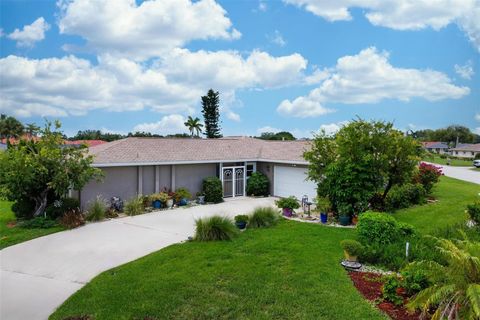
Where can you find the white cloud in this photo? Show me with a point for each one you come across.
(172, 84)
(465, 71)
(233, 116)
(332, 128)
(477, 117)
(403, 14)
(30, 34)
(368, 77)
(477, 130)
(262, 6)
(170, 124)
(317, 76)
(1, 33)
(277, 39)
(268, 129)
(124, 28)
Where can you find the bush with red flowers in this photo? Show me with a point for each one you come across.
(428, 175)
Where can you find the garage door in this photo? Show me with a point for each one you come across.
(291, 181)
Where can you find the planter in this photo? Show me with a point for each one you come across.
(344, 220)
(349, 257)
(183, 202)
(157, 204)
(169, 203)
(201, 199)
(241, 225)
(287, 212)
(323, 217)
(355, 220)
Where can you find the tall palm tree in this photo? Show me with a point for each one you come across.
(193, 125)
(31, 129)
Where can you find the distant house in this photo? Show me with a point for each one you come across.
(436, 147)
(3, 146)
(466, 150)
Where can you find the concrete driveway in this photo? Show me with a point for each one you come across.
(38, 275)
(461, 173)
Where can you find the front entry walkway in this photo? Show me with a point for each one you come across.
(38, 275)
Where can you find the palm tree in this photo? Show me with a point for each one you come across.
(193, 125)
(31, 129)
(455, 283)
(10, 127)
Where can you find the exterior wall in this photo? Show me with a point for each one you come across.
(191, 176)
(118, 181)
(148, 181)
(464, 154)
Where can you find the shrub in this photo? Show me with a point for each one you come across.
(257, 184)
(38, 223)
(23, 208)
(215, 228)
(322, 204)
(474, 212)
(59, 207)
(182, 193)
(72, 219)
(406, 230)
(134, 207)
(161, 196)
(241, 218)
(289, 202)
(111, 213)
(390, 288)
(375, 227)
(403, 196)
(96, 210)
(263, 217)
(212, 188)
(427, 175)
(352, 247)
(414, 279)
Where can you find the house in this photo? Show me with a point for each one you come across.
(436, 147)
(3, 146)
(466, 150)
(134, 166)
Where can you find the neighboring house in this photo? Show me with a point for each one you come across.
(134, 166)
(3, 146)
(466, 150)
(436, 147)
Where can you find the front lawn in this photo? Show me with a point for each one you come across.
(453, 196)
(453, 162)
(290, 271)
(11, 234)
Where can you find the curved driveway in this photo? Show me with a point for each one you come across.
(461, 173)
(38, 275)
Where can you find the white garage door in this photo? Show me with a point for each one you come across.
(291, 181)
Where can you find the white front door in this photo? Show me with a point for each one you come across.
(233, 181)
(292, 181)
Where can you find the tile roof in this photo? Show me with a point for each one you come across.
(131, 151)
(89, 143)
(434, 145)
(468, 147)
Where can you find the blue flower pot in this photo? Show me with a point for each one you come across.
(157, 204)
(183, 202)
(323, 217)
(241, 225)
(344, 220)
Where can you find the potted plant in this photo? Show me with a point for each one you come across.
(344, 215)
(156, 200)
(323, 205)
(288, 205)
(352, 249)
(241, 221)
(163, 197)
(200, 197)
(181, 196)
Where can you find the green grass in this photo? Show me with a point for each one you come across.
(453, 196)
(12, 235)
(290, 271)
(453, 162)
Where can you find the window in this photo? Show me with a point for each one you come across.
(251, 168)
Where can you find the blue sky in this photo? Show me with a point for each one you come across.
(296, 65)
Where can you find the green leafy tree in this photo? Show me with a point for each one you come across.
(454, 292)
(31, 170)
(282, 135)
(448, 135)
(10, 127)
(211, 114)
(364, 158)
(96, 135)
(193, 125)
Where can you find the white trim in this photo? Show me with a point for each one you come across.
(157, 163)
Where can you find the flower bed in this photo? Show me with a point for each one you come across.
(370, 286)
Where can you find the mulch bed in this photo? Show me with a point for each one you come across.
(370, 286)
